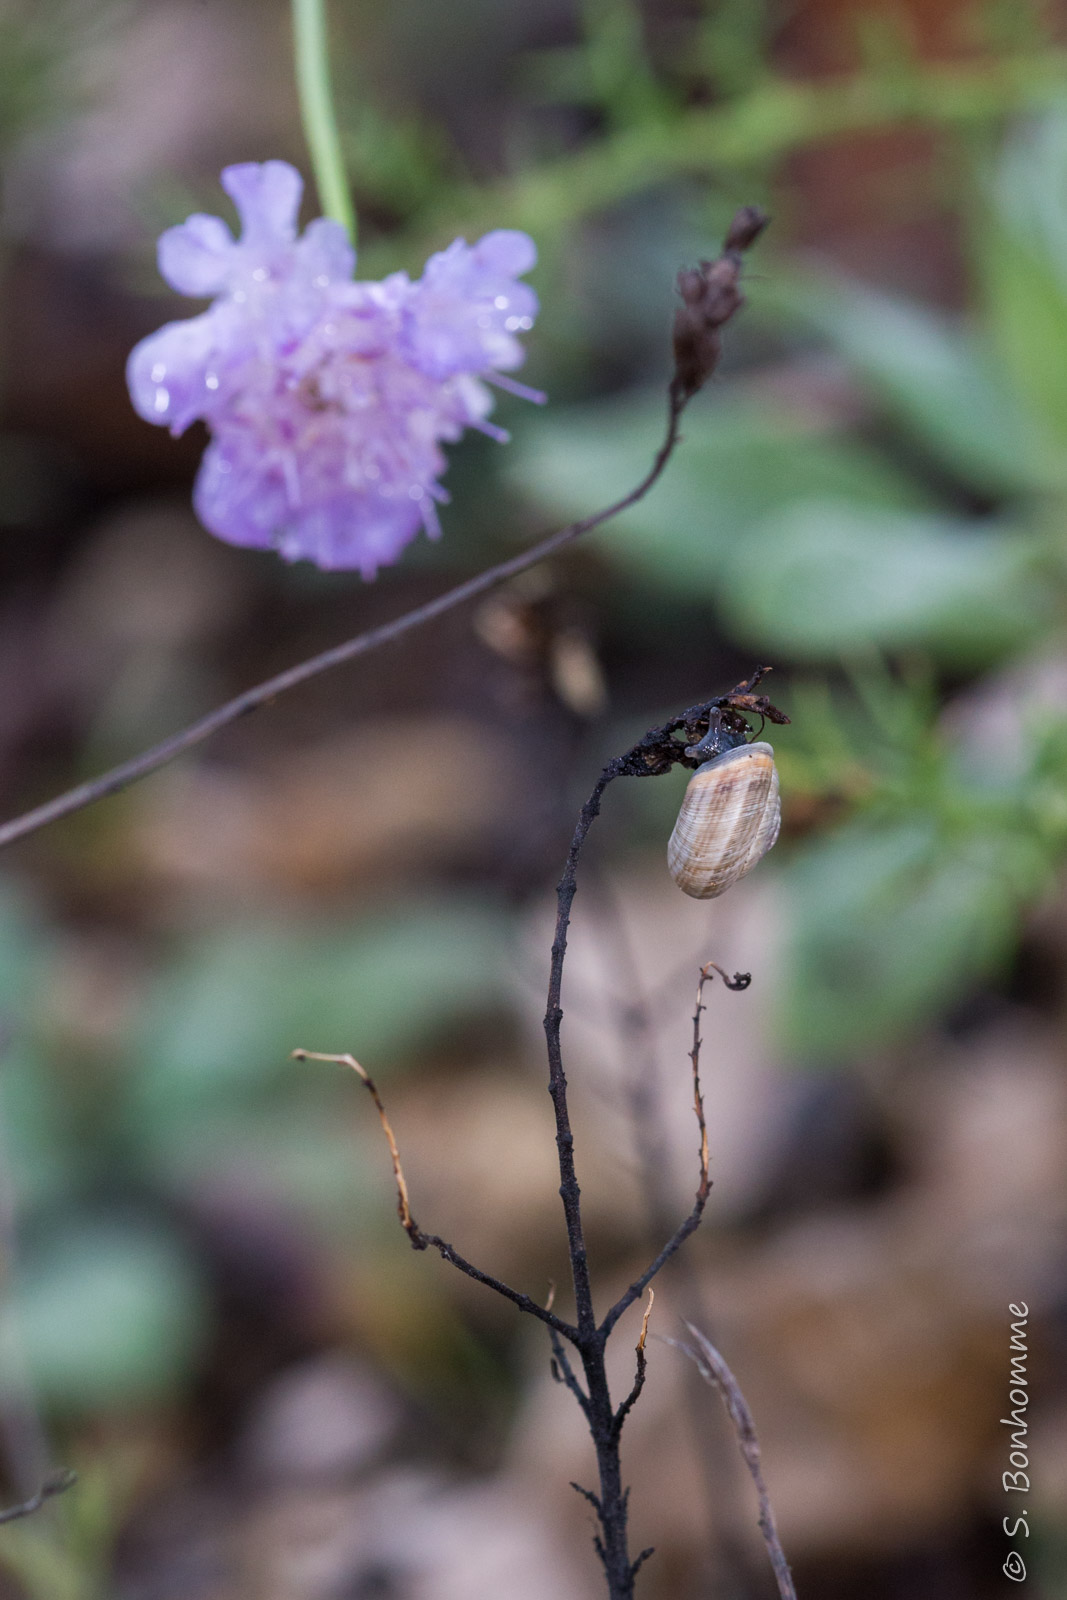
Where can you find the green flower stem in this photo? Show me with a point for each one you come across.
(317, 113)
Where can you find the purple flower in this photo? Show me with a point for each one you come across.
(327, 399)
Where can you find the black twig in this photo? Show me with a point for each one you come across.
(563, 1372)
(714, 1370)
(59, 1483)
(642, 1366)
(428, 1241)
(587, 1494)
(638, 1384)
(590, 1341)
(650, 1550)
(448, 1252)
(656, 753)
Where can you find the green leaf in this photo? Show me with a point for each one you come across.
(889, 925)
(1019, 242)
(1027, 311)
(821, 580)
(737, 461)
(111, 1312)
(940, 380)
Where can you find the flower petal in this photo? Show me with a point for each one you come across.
(197, 256)
(506, 251)
(169, 372)
(325, 253)
(236, 500)
(353, 532)
(466, 310)
(267, 197)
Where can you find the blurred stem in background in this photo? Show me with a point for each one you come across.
(312, 53)
(22, 1435)
(750, 132)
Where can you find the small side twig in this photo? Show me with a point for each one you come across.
(740, 980)
(586, 1494)
(642, 1366)
(698, 1098)
(564, 1373)
(403, 1205)
(58, 1483)
(714, 1370)
(419, 1239)
(650, 1550)
(644, 1322)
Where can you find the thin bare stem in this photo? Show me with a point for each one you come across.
(636, 1013)
(611, 1543)
(714, 1370)
(557, 1080)
(692, 1221)
(642, 1366)
(59, 1483)
(656, 753)
(403, 1206)
(710, 297)
(140, 766)
(644, 1322)
(424, 1241)
(642, 1558)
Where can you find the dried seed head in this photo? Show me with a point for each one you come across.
(710, 296)
(746, 228)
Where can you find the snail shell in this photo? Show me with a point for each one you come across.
(728, 821)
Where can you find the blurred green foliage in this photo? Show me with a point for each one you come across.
(34, 48)
(809, 543)
(653, 126)
(110, 1304)
(112, 1311)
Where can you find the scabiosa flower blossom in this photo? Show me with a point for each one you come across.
(327, 399)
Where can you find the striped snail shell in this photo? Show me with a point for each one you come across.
(729, 816)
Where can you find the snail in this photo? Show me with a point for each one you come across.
(730, 814)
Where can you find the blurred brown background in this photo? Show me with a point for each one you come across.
(208, 1308)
